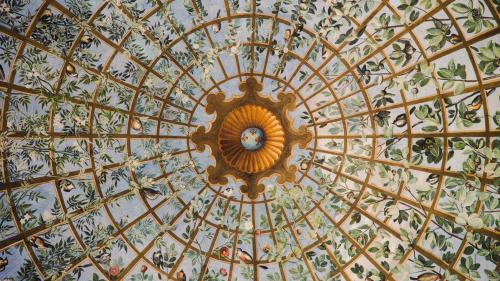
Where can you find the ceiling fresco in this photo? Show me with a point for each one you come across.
(249, 140)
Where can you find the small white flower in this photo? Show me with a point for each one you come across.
(47, 216)
(146, 182)
(196, 46)
(22, 165)
(184, 99)
(133, 163)
(247, 225)
(35, 74)
(58, 122)
(25, 218)
(106, 21)
(149, 83)
(285, 50)
(234, 50)
(166, 156)
(99, 169)
(4, 8)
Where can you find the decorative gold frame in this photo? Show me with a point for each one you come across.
(216, 103)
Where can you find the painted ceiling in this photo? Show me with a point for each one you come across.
(101, 180)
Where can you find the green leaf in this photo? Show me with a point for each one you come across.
(435, 31)
(445, 73)
(460, 8)
(459, 88)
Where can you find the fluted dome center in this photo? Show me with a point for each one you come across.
(251, 138)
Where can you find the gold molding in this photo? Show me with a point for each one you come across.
(202, 137)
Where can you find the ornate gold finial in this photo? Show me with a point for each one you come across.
(251, 138)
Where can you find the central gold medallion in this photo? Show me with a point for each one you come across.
(251, 138)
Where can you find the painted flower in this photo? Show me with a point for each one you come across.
(4, 8)
(47, 215)
(234, 50)
(223, 271)
(144, 268)
(266, 248)
(114, 270)
(247, 225)
(224, 251)
(58, 124)
(25, 218)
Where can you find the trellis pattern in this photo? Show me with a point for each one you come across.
(101, 181)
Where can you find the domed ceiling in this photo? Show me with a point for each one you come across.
(249, 140)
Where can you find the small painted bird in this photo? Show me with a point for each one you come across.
(40, 243)
(400, 120)
(475, 104)
(432, 178)
(325, 53)
(408, 49)
(103, 257)
(3, 263)
(216, 27)
(227, 192)
(158, 259)
(47, 14)
(136, 124)
(304, 164)
(167, 40)
(86, 39)
(71, 70)
(287, 34)
(298, 29)
(279, 86)
(245, 257)
(428, 276)
(66, 185)
(181, 276)
(454, 39)
(364, 73)
(151, 194)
